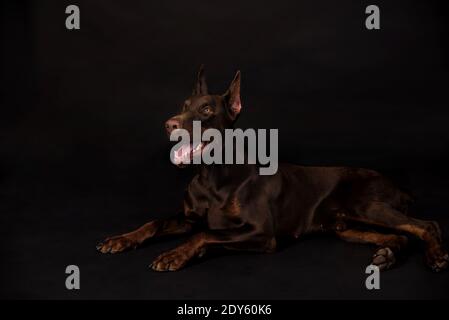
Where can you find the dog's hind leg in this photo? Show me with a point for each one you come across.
(382, 214)
(389, 245)
(131, 240)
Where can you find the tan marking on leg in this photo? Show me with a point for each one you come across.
(415, 230)
(233, 207)
(271, 245)
(372, 237)
(187, 208)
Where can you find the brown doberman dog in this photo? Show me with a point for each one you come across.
(233, 207)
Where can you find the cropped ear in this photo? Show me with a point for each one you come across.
(200, 87)
(232, 97)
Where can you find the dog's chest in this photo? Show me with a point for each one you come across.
(221, 209)
(225, 214)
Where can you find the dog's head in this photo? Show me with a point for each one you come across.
(214, 111)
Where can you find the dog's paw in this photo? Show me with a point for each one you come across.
(384, 258)
(171, 261)
(437, 261)
(117, 244)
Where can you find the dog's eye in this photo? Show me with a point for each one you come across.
(206, 110)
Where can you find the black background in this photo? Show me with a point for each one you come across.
(83, 152)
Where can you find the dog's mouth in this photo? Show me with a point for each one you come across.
(185, 153)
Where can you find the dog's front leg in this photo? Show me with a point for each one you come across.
(240, 238)
(131, 240)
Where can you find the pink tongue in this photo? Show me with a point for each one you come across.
(183, 152)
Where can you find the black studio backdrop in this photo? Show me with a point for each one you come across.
(83, 152)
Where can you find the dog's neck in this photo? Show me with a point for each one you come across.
(221, 174)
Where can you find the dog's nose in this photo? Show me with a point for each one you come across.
(171, 125)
